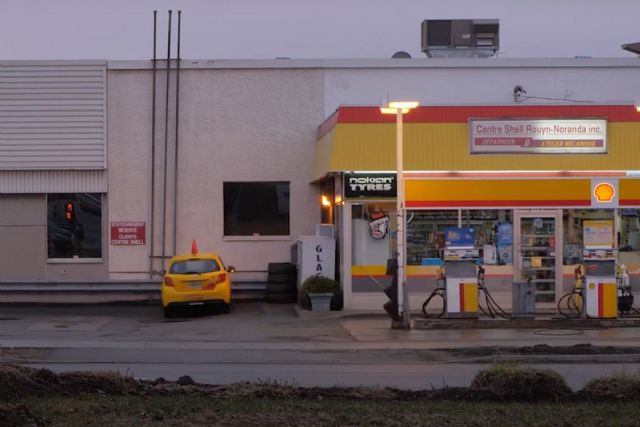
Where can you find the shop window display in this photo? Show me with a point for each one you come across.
(573, 241)
(425, 233)
(74, 225)
(629, 230)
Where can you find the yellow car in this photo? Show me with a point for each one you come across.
(197, 279)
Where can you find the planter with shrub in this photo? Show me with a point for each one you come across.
(320, 291)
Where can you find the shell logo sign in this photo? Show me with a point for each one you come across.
(604, 192)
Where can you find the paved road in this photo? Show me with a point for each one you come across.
(271, 342)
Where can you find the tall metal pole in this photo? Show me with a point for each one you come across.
(153, 147)
(175, 151)
(166, 139)
(403, 310)
(400, 213)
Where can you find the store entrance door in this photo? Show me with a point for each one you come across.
(538, 250)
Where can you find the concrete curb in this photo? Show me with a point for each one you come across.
(547, 323)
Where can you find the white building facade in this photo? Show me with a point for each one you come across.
(98, 185)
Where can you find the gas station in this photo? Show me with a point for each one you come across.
(542, 197)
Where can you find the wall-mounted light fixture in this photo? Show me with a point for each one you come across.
(325, 201)
(638, 105)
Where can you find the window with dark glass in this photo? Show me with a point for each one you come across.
(194, 266)
(74, 225)
(256, 208)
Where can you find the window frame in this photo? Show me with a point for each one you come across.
(75, 259)
(256, 237)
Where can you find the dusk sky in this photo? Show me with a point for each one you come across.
(240, 29)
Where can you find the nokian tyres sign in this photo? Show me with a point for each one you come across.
(357, 185)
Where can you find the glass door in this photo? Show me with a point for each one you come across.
(538, 241)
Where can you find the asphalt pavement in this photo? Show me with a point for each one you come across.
(261, 341)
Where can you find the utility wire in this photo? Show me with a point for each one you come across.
(522, 98)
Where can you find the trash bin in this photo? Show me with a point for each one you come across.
(523, 300)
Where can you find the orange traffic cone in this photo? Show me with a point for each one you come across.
(194, 247)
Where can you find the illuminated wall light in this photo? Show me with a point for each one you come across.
(638, 105)
(403, 104)
(325, 201)
(389, 110)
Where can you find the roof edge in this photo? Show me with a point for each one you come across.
(384, 63)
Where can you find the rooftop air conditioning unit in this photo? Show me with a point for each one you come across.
(460, 38)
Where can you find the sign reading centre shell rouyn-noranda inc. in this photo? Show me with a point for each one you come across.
(537, 136)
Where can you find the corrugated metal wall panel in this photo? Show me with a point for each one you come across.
(53, 181)
(52, 115)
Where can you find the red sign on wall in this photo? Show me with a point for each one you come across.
(128, 233)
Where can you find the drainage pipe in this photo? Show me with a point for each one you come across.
(166, 138)
(175, 152)
(153, 147)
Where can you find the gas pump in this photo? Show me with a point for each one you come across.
(600, 292)
(461, 282)
(599, 259)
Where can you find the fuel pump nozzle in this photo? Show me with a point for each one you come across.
(440, 277)
(579, 277)
(481, 276)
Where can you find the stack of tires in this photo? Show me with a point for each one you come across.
(281, 283)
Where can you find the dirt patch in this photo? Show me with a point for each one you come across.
(17, 382)
(502, 382)
(20, 415)
(96, 382)
(615, 387)
(507, 382)
(9, 355)
(544, 349)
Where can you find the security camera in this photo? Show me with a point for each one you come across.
(518, 91)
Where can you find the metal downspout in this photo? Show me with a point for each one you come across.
(175, 153)
(166, 137)
(153, 149)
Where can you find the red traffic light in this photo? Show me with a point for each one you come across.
(68, 211)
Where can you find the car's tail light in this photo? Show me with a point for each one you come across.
(221, 278)
(168, 281)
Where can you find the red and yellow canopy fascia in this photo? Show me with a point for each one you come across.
(435, 139)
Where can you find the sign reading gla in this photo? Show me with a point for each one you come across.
(537, 136)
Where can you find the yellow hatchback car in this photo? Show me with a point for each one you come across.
(197, 279)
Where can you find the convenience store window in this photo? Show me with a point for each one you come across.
(629, 230)
(426, 229)
(373, 233)
(573, 222)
